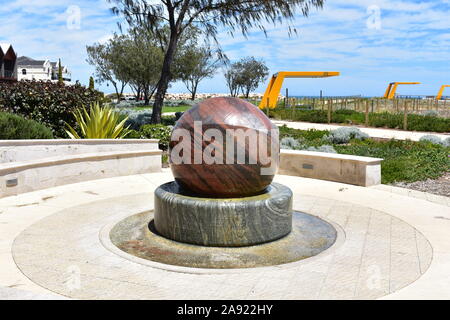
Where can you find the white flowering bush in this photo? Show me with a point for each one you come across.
(289, 143)
(435, 140)
(136, 118)
(344, 135)
(129, 104)
(447, 142)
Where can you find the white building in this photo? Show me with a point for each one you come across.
(30, 69)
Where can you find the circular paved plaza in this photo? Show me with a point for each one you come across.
(390, 244)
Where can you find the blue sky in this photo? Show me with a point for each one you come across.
(410, 42)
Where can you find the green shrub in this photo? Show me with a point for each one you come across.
(133, 134)
(14, 127)
(168, 120)
(48, 103)
(311, 134)
(428, 123)
(386, 120)
(157, 131)
(382, 120)
(406, 161)
(324, 148)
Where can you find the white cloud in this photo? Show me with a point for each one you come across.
(413, 43)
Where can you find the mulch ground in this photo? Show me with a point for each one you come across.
(439, 186)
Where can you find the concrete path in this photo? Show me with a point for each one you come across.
(373, 132)
(54, 243)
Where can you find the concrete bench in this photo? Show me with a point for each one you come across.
(74, 162)
(355, 170)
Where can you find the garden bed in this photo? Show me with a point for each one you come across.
(404, 161)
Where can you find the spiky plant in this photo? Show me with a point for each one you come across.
(99, 123)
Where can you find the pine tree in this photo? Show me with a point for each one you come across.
(60, 73)
(91, 83)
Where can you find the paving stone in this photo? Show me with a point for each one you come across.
(380, 253)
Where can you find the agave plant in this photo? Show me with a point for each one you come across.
(99, 123)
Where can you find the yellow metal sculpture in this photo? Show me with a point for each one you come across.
(276, 82)
(392, 88)
(441, 91)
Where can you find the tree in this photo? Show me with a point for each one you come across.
(60, 73)
(232, 75)
(208, 16)
(109, 62)
(245, 75)
(145, 60)
(252, 73)
(91, 83)
(196, 63)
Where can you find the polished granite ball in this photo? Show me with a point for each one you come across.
(214, 158)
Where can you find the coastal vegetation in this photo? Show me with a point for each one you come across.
(404, 161)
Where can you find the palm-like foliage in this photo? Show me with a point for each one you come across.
(99, 123)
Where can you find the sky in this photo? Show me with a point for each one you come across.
(371, 42)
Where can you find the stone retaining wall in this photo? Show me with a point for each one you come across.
(360, 171)
(26, 150)
(40, 164)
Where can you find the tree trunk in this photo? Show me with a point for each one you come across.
(138, 93)
(152, 92)
(165, 78)
(146, 97)
(247, 93)
(194, 91)
(117, 90)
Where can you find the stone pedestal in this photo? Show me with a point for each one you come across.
(234, 222)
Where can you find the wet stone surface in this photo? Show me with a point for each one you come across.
(310, 236)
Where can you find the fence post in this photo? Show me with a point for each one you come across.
(367, 113)
(293, 109)
(405, 116)
(267, 107)
(330, 106)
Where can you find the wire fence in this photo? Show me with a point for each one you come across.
(421, 106)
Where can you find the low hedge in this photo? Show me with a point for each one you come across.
(48, 103)
(14, 127)
(157, 131)
(383, 120)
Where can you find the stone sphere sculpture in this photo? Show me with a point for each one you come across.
(220, 133)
